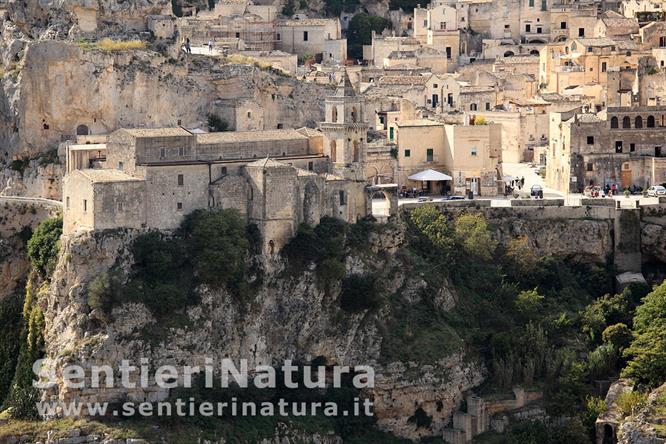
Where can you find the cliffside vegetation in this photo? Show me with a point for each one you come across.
(24, 343)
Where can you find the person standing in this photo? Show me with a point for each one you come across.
(210, 46)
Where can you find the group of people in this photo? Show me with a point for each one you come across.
(515, 183)
(187, 46)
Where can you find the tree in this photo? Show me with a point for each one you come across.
(618, 335)
(529, 303)
(216, 124)
(360, 32)
(647, 352)
(44, 244)
(218, 245)
(472, 233)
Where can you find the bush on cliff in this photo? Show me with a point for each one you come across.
(44, 244)
(10, 319)
(647, 352)
(359, 293)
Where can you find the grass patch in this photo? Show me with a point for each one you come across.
(110, 45)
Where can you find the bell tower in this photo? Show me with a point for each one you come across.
(345, 131)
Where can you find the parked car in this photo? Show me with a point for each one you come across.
(656, 190)
(536, 191)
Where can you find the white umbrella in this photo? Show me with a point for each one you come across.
(430, 176)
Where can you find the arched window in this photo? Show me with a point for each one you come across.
(356, 154)
(472, 107)
(573, 46)
(638, 122)
(334, 114)
(509, 54)
(334, 151)
(614, 122)
(650, 122)
(82, 130)
(626, 122)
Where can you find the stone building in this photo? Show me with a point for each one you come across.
(152, 178)
(625, 150)
(470, 154)
(321, 38)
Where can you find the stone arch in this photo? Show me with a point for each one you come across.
(562, 38)
(650, 122)
(82, 130)
(334, 151)
(614, 122)
(609, 435)
(509, 54)
(534, 52)
(638, 122)
(311, 204)
(626, 122)
(537, 41)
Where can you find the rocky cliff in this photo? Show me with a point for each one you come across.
(291, 317)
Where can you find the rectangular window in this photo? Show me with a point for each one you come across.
(581, 32)
(67, 204)
(181, 180)
(408, 153)
(85, 205)
(310, 166)
(473, 152)
(391, 133)
(223, 170)
(563, 25)
(162, 153)
(278, 37)
(590, 166)
(487, 106)
(442, 26)
(342, 198)
(528, 27)
(238, 35)
(448, 52)
(305, 36)
(539, 30)
(618, 146)
(434, 85)
(590, 140)
(120, 206)
(662, 42)
(632, 147)
(179, 206)
(429, 155)
(531, 3)
(121, 166)
(603, 66)
(181, 151)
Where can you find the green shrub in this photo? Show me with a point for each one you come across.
(102, 293)
(216, 124)
(619, 335)
(529, 303)
(471, 231)
(19, 165)
(10, 319)
(647, 352)
(629, 403)
(359, 293)
(23, 403)
(360, 32)
(218, 245)
(44, 244)
(602, 362)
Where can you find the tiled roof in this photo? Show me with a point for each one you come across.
(157, 132)
(107, 175)
(248, 136)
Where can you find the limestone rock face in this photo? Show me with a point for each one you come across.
(641, 428)
(17, 218)
(653, 240)
(289, 318)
